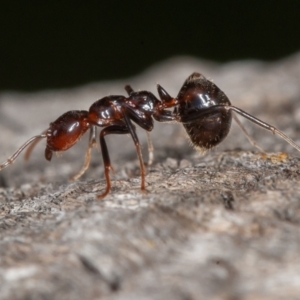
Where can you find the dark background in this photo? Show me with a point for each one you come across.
(55, 44)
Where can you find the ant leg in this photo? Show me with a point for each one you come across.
(137, 144)
(129, 91)
(264, 125)
(87, 159)
(11, 159)
(150, 149)
(113, 129)
(250, 139)
(33, 144)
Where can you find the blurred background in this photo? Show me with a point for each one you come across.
(59, 44)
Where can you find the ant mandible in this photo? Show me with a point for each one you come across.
(114, 113)
(202, 108)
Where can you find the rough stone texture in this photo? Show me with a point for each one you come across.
(222, 226)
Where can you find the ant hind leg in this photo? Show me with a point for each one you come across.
(248, 136)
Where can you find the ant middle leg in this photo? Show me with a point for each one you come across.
(113, 129)
(129, 91)
(150, 149)
(147, 125)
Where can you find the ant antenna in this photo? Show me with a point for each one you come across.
(32, 145)
(11, 159)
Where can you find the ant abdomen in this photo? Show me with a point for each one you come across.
(210, 131)
(206, 113)
(197, 95)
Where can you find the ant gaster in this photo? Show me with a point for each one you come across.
(206, 114)
(202, 108)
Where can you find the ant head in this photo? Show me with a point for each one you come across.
(64, 132)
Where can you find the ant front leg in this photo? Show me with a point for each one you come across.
(113, 129)
(87, 158)
(150, 149)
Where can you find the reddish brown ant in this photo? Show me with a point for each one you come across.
(204, 110)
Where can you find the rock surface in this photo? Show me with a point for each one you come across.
(221, 226)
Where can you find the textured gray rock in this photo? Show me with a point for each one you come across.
(222, 226)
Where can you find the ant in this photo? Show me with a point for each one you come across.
(203, 109)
